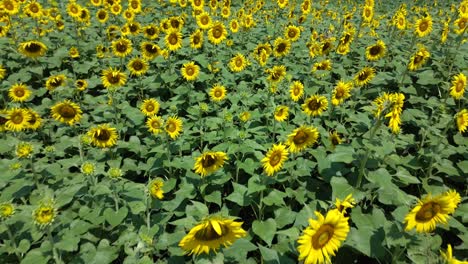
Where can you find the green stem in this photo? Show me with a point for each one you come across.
(362, 165)
(13, 243)
(54, 249)
(33, 171)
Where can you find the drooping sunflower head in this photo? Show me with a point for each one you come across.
(150, 107)
(173, 40)
(173, 126)
(324, 65)
(281, 47)
(81, 84)
(274, 159)
(321, 239)
(32, 49)
(419, 58)
(155, 188)
(137, 66)
(155, 124)
(348, 202)
(66, 112)
(217, 33)
(19, 92)
(209, 162)
(121, 47)
(218, 93)
(103, 136)
(17, 119)
(281, 113)
(315, 105)
(376, 51)
(55, 81)
(211, 234)
(423, 26)
(238, 63)
(35, 120)
(364, 76)
(301, 138)
(113, 78)
(45, 213)
(335, 138)
(190, 71)
(276, 74)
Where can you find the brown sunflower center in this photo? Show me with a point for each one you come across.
(197, 2)
(8, 5)
(296, 91)
(114, 78)
(34, 8)
(281, 47)
(102, 135)
(280, 112)
(171, 127)
(239, 62)
(326, 47)
(67, 111)
(190, 71)
(151, 49)
(291, 33)
(322, 236)
(133, 28)
(427, 212)
(134, 4)
(208, 161)
(218, 93)
(314, 104)
(462, 24)
(418, 59)
(209, 234)
(335, 140)
(217, 32)
(363, 76)
(339, 93)
(137, 65)
(423, 26)
(156, 124)
(175, 23)
(33, 47)
(173, 39)
(459, 87)
(121, 47)
(367, 12)
(300, 137)
(17, 118)
(196, 39)
(20, 92)
(150, 31)
(375, 50)
(150, 107)
(275, 158)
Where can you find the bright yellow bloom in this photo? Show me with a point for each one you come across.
(45, 214)
(315, 105)
(341, 92)
(419, 58)
(103, 136)
(217, 33)
(462, 120)
(458, 86)
(301, 138)
(274, 159)
(19, 92)
(155, 188)
(17, 119)
(281, 113)
(155, 124)
(32, 49)
(190, 71)
(218, 93)
(67, 112)
(113, 78)
(173, 127)
(296, 90)
(238, 63)
(423, 26)
(209, 162)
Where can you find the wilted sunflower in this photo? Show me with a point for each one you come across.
(190, 71)
(218, 93)
(458, 86)
(155, 124)
(81, 84)
(281, 113)
(17, 119)
(19, 92)
(296, 90)
(173, 40)
(196, 39)
(217, 33)
(281, 47)
(341, 92)
(150, 107)
(67, 112)
(376, 51)
(103, 136)
(276, 74)
(423, 26)
(301, 138)
(137, 66)
(204, 20)
(113, 78)
(211, 234)
(322, 238)
(238, 63)
(292, 33)
(462, 120)
(364, 76)
(432, 210)
(315, 105)
(155, 188)
(55, 81)
(173, 126)
(419, 58)
(122, 47)
(150, 50)
(335, 138)
(151, 31)
(209, 162)
(45, 213)
(32, 49)
(274, 159)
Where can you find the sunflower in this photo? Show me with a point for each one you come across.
(88, 168)
(276, 74)
(2, 72)
(335, 138)
(85, 16)
(103, 136)
(6, 210)
(460, 24)
(341, 92)
(225, 12)
(137, 66)
(150, 107)
(209, 162)
(348, 202)
(281, 113)
(155, 188)
(35, 120)
(198, 4)
(419, 59)
(173, 40)
(196, 39)
(96, 2)
(364, 76)
(217, 33)
(151, 31)
(204, 20)
(122, 47)
(116, 9)
(73, 9)
(301, 138)
(19, 92)
(245, 116)
(55, 81)
(190, 71)
(32, 49)
(448, 257)
(135, 6)
(423, 26)
(24, 150)
(376, 51)
(113, 78)
(11, 7)
(234, 26)
(315, 105)
(281, 47)
(282, 3)
(150, 50)
(218, 93)
(17, 119)
(296, 90)
(445, 32)
(134, 27)
(458, 86)
(326, 46)
(367, 13)
(400, 21)
(33, 9)
(212, 233)
(45, 213)
(462, 120)
(432, 210)
(322, 237)
(173, 126)
(324, 65)
(238, 63)
(81, 84)
(67, 112)
(292, 33)
(274, 159)
(112, 31)
(154, 124)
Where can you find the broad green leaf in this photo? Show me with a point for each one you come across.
(265, 230)
(114, 218)
(270, 256)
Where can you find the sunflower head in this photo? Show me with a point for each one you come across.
(301, 138)
(364, 76)
(7, 209)
(137, 66)
(173, 39)
(423, 26)
(66, 112)
(209, 162)
(218, 93)
(315, 105)
(17, 119)
(217, 33)
(281, 113)
(238, 63)
(461, 119)
(24, 150)
(281, 47)
(190, 71)
(155, 188)
(19, 92)
(150, 107)
(45, 213)
(150, 50)
(103, 136)
(32, 49)
(296, 90)
(173, 127)
(113, 78)
(274, 159)
(376, 51)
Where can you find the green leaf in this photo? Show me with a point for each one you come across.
(197, 210)
(275, 197)
(463, 166)
(270, 256)
(239, 195)
(214, 197)
(68, 242)
(265, 230)
(255, 185)
(114, 218)
(284, 216)
(342, 154)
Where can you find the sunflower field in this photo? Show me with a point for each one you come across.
(257, 131)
